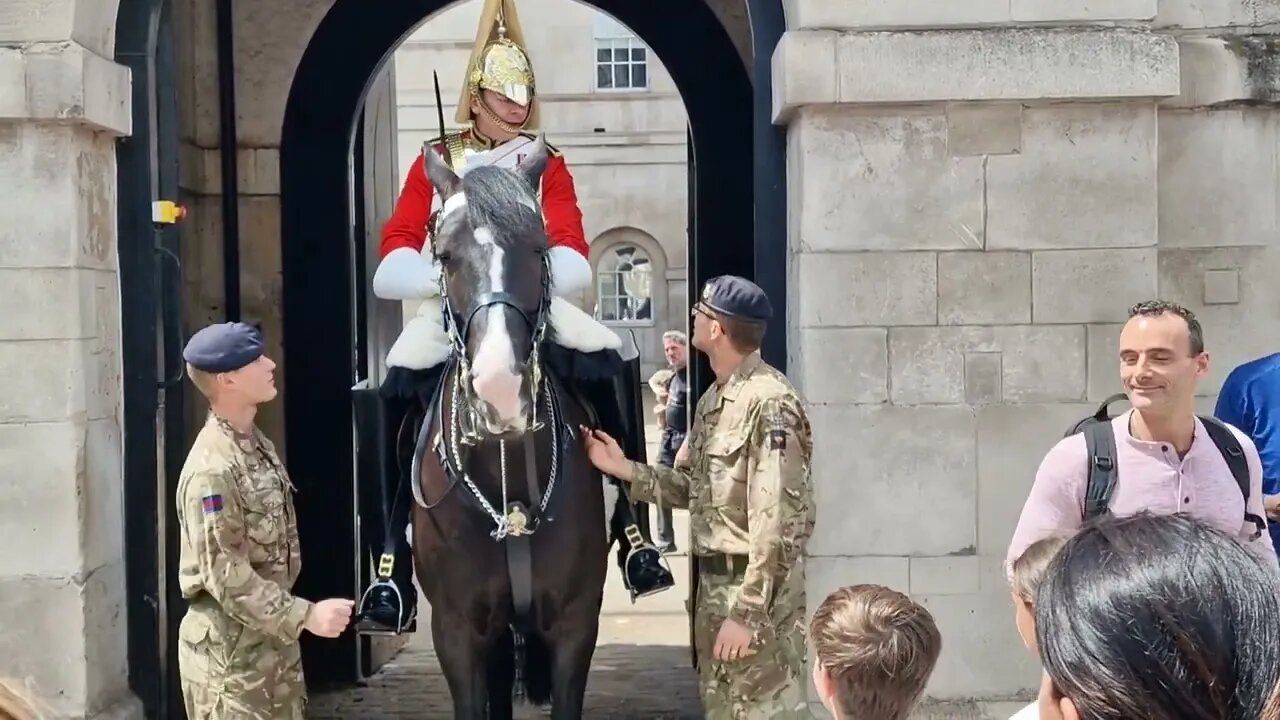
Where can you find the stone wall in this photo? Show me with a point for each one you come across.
(62, 104)
(975, 202)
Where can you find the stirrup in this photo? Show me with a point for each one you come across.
(368, 626)
(645, 570)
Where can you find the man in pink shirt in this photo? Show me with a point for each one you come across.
(1165, 460)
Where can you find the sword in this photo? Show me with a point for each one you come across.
(448, 156)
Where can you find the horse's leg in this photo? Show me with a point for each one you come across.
(502, 676)
(573, 642)
(461, 655)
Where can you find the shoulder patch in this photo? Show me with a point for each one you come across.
(211, 504)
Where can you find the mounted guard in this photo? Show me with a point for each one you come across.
(499, 107)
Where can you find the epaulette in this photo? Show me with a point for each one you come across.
(552, 149)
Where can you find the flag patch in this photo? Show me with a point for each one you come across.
(212, 504)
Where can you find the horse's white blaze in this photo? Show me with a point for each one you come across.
(496, 380)
(458, 200)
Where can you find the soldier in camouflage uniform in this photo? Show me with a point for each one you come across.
(744, 477)
(238, 653)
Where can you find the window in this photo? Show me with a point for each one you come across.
(624, 284)
(622, 61)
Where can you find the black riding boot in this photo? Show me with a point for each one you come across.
(390, 605)
(617, 401)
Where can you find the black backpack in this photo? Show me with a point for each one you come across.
(1100, 444)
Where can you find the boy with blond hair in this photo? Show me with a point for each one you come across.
(1027, 572)
(876, 649)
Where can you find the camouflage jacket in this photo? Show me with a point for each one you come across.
(746, 482)
(238, 538)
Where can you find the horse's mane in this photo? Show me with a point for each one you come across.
(500, 200)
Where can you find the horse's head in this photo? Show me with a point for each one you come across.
(492, 246)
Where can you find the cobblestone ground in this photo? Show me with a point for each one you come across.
(641, 669)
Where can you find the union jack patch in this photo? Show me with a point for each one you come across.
(212, 504)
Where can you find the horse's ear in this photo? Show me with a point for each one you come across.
(445, 181)
(533, 165)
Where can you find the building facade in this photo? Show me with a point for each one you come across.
(612, 108)
(974, 192)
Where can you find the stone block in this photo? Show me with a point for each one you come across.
(1037, 363)
(102, 494)
(1081, 10)
(1216, 13)
(984, 129)
(31, 21)
(895, 188)
(804, 65)
(54, 621)
(1216, 187)
(987, 288)
(39, 522)
(881, 14)
(957, 575)
(1005, 64)
(982, 378)
(1104, 361)
(852, 289)
(13, 84)
(1090, 286)
(1085, 178)
(1211, 72)
(982, 655)
(57, 367)
(69, 82)
(1236, 333)
(106, 643)
(47, 304)
(881, 464)
(268, 48)
(844, 366)
(824, 575)
(1221, 287)
(1011, 442)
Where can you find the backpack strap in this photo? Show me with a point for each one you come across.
(1100, 445)
(1233, 453)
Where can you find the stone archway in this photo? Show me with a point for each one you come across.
(318, 248)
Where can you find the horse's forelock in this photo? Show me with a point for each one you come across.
(501, 200)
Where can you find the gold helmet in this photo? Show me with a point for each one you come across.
(499, 63)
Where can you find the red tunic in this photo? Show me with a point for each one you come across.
(407, 226)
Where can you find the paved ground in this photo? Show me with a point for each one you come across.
(641, 668)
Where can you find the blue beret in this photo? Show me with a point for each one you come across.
(738, 297)
(224, 347)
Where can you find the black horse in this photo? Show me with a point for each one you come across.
(509, 530)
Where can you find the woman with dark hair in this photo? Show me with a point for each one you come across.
(1160, 618)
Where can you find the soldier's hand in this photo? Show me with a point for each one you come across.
(733, 642)
(328, 618)
(682, 455)
(605, 453)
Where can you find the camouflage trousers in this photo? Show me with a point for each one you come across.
(770, 683)
(232, 671)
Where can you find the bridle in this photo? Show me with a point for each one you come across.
(458, 329)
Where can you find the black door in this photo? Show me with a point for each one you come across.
(150, 282)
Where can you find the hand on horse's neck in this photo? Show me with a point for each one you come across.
(239, 417)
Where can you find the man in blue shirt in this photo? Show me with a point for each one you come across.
(1250, 400)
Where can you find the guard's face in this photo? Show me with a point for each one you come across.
(254, 383)
(1157, 368)
(507, 110)
(707, 330)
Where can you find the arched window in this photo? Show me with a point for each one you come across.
(624, 286)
